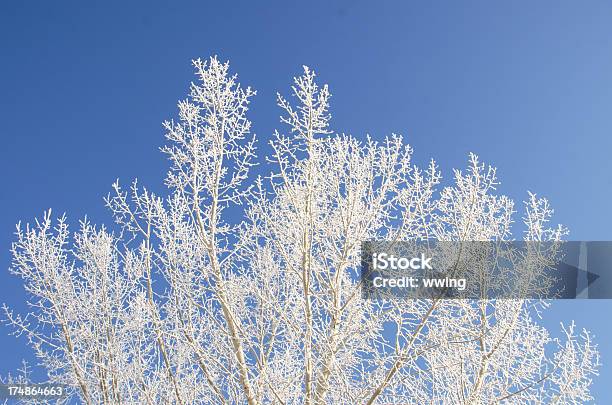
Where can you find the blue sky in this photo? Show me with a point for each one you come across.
(526, 85)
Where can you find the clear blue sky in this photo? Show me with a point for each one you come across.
(526, 85)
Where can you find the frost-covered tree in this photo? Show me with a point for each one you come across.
(188, 302)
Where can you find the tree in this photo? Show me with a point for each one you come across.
(185, 303)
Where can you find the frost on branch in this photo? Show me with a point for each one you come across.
(181, 303)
